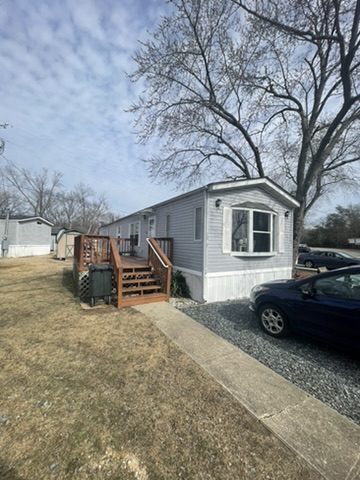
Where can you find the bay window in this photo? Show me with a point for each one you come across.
(252, 231)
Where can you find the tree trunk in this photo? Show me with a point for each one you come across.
(299, 216)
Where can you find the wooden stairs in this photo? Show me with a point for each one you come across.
(137, 280)
(140, 285)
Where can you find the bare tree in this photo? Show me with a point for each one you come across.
(37, 190)
(80, 208)
(65, 209)
(8, 201)
(2, 141)
(252, 88)
(42, 193)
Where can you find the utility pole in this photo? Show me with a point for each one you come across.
(5, 241)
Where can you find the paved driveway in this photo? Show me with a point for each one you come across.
(328, 375)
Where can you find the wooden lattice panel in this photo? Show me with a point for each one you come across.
(83, 284)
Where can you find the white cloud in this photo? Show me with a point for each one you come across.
(64, 91)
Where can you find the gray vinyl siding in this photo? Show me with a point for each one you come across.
(216, 260)
(188, 253)
(26, 233)
(12, 231)
(32, 233)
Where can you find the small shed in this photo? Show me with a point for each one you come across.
(65, 243)
(54, 236)
(24, 236)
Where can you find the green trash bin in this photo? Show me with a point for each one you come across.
(100, 282)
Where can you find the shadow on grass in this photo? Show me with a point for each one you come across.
(68, 281)
(8, 473)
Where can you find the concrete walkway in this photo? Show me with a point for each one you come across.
(329, 442)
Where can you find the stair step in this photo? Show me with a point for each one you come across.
(138, 272)
(138, 300)
(141, 288)
(140, 280)
(137, 269)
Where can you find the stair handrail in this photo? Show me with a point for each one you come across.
(116, 261)
(165, 264)
(159, 252)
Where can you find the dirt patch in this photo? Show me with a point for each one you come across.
(88, 395)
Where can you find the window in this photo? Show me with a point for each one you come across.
(240, 230)
(252, 231)
(167, 226)
(135, 233)
(198, 224)
(339, 286)
(262, 232)
(151, 227)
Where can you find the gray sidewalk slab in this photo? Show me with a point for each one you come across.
(328, 441)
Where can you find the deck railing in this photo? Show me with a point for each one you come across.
(166, 244)
(126, 246)
(161, 265)
(91, 249)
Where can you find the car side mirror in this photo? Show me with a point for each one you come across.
(308, 292)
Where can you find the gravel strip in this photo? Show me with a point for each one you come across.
(328, 375)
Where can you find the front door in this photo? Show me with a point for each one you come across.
(151, 227)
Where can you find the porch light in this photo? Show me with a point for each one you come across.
(218, 203)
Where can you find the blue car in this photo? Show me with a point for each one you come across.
(327, 258)
(326, 306)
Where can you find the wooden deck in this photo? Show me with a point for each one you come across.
(131, 262)
(138, 280)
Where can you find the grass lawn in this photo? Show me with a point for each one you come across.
(104, 394)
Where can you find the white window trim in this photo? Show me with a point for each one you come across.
(250, 232)
(198, 240)
(152, 217)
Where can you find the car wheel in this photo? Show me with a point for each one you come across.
(309, 264)
(273, 321)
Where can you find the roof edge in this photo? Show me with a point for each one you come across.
(218, 186)
(24, 220)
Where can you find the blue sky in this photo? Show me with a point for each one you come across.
(64, 92)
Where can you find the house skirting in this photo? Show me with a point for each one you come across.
(222, 286)
(27, 250)
(195, 282)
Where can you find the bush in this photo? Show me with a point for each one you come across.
(179, 287)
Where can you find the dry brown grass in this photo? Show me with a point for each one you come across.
(105, 395)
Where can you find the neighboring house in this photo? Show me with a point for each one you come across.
(354, 242)
(228, 236)
(65, 243)
(23, 236)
